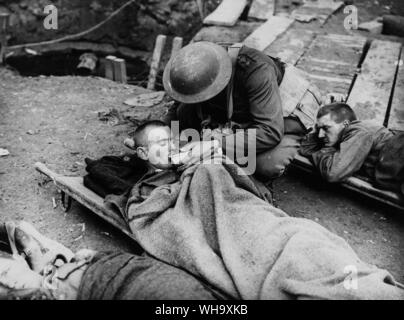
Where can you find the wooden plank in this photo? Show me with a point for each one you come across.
(370, 94)
(268, 32)
(237, 33)
(227, 13)
(155, 63)
(293, 87)
(4, 19)
(177, 45)
(74, 187)
(396, 120)
(290, 46)
(316, 9)
(332, 61)
(358, 185)
(109, 67)
(262, 9)
(120, 70)
(330, 84)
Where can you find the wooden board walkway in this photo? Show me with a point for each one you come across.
(333, 71)
(291, 45)
(338, 70)
(319, 10)
(237, 33)
(371, 92)
(396, 120)
(227, 13)
(268, 32)
(262, 9)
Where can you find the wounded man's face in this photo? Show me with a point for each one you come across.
(329, 131)
(159, 144)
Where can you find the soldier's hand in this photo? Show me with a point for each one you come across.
(199, 152)
(206, 134)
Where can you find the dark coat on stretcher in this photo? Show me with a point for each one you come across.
(113, 174)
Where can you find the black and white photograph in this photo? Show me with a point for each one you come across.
(201, 154)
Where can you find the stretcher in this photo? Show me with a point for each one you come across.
(73, 188)
(358, 185)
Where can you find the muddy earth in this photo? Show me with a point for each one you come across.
(56, 120)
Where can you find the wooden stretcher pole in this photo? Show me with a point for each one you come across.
(65, 199)
(42, 168)
(155, 63)
(353, 183)
(73, 188)
(4, 18)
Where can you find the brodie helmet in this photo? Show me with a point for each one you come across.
(198, 72)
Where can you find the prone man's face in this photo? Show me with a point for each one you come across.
(159, 146)
(329, 132)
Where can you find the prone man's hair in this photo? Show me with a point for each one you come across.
(140, 132)
(339, 112)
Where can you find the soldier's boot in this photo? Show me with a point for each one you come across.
(37, 249)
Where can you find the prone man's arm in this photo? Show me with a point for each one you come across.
(336, 165)
(310, 144)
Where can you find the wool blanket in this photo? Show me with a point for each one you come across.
(214, 224)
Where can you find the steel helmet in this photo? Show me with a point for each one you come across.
(198, 72)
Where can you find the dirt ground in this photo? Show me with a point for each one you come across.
(55, 120)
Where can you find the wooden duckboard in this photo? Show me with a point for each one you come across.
(320, 10)
(371, 92)
(262, 37)
(237, 33)
(358, 185)
(227, 13)
(262, 9)
(74, 187)
(290, 46)
(333, 70)
(396, 119)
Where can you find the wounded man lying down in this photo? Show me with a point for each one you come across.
(214, 237)
(342, 146)
(33, 266)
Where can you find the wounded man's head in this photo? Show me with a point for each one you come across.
(153, 143)
(331, 120)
